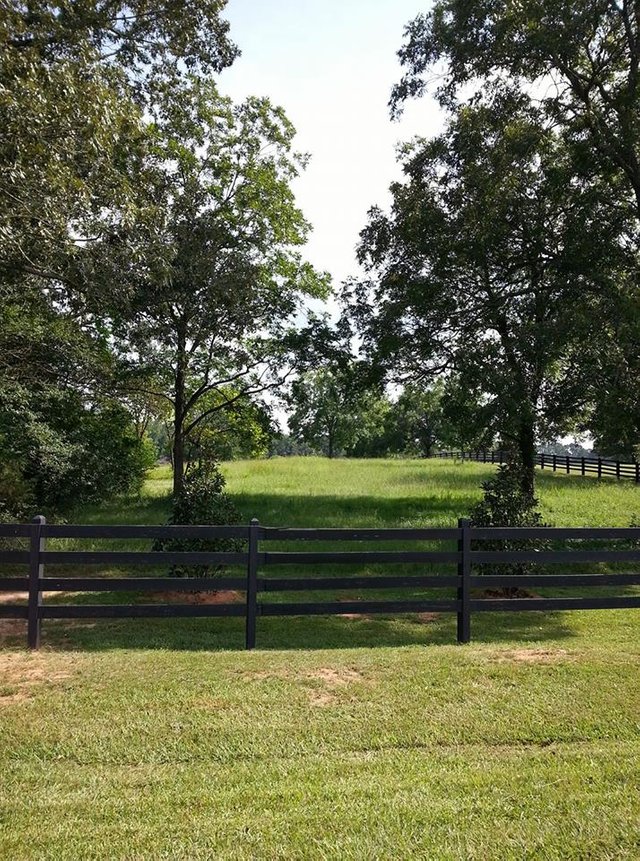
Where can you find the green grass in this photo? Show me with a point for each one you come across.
(365, 738)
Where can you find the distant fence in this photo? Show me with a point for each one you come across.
(463, 602)
(558, 463)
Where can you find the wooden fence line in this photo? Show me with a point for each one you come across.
(557, 462)
(466, 554)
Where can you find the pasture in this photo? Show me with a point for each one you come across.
(339, 737)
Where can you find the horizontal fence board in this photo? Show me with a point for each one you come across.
(100, 557)
(15, 530)
(14, 584)
(557, 463)
(141, 584)
(52, 530)
(14, 611)
(121, 611)
(14, 557)
(564, 580)
(364, 556)
(339, 607)
(276, 533)
(553, 533)
(300, 584)
(616, 603)
(553, 557)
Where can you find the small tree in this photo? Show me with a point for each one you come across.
(505, 503)
(201, 500)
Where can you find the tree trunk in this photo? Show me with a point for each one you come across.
(178, 416)
(527, 450)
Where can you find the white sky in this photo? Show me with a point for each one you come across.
(331, 65)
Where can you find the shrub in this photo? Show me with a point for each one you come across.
(506, 504)
(202, 500)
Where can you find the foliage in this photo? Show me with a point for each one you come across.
(614, 351)
(57, 453)
(285, 445)
(487, 267)
(590, 51)
(332, 413)
(207, 322)
(505, 503)
(74, 84)
(239, 428)
(442, 415)
(201, 500)
(77, 84)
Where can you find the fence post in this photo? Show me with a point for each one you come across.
(568, 465)
(36, 570)
(637, 472)
(464, 589)
(554, 462)
(617, 469)
(252, 585)
(583, 468)
(599, 467)
(541, 460)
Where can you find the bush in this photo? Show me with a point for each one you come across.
(57, 453)
(506, 504)
(202, 500)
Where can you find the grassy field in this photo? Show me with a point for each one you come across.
(354, 738)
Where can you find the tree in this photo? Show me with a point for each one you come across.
(328, 410)
(585, 55)
(74, 82)
(489, 267)
(208, 313)
(235, 428)
(582, 61)
(613, 420)
(64, 438)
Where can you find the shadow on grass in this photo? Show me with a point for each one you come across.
(348, 511)
(290, 633)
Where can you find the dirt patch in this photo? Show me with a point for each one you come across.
(426, 618)
(321, 699)
(335, 677)
(222, 596)
(20, 676)
(535, 656)
(13, 632)
(504, 593)
(13, 597)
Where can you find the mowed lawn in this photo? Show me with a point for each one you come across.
(355, 738)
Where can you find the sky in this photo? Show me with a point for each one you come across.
(331, 65)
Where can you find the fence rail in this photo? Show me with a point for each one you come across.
(557, 462)
(464, 540)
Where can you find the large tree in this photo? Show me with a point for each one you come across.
(581, 60)
(208, 311)
(489, 266)
(583, 56)
(74, 81)
(76, 84)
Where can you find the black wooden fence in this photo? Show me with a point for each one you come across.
(463, 552)
(557, 462)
